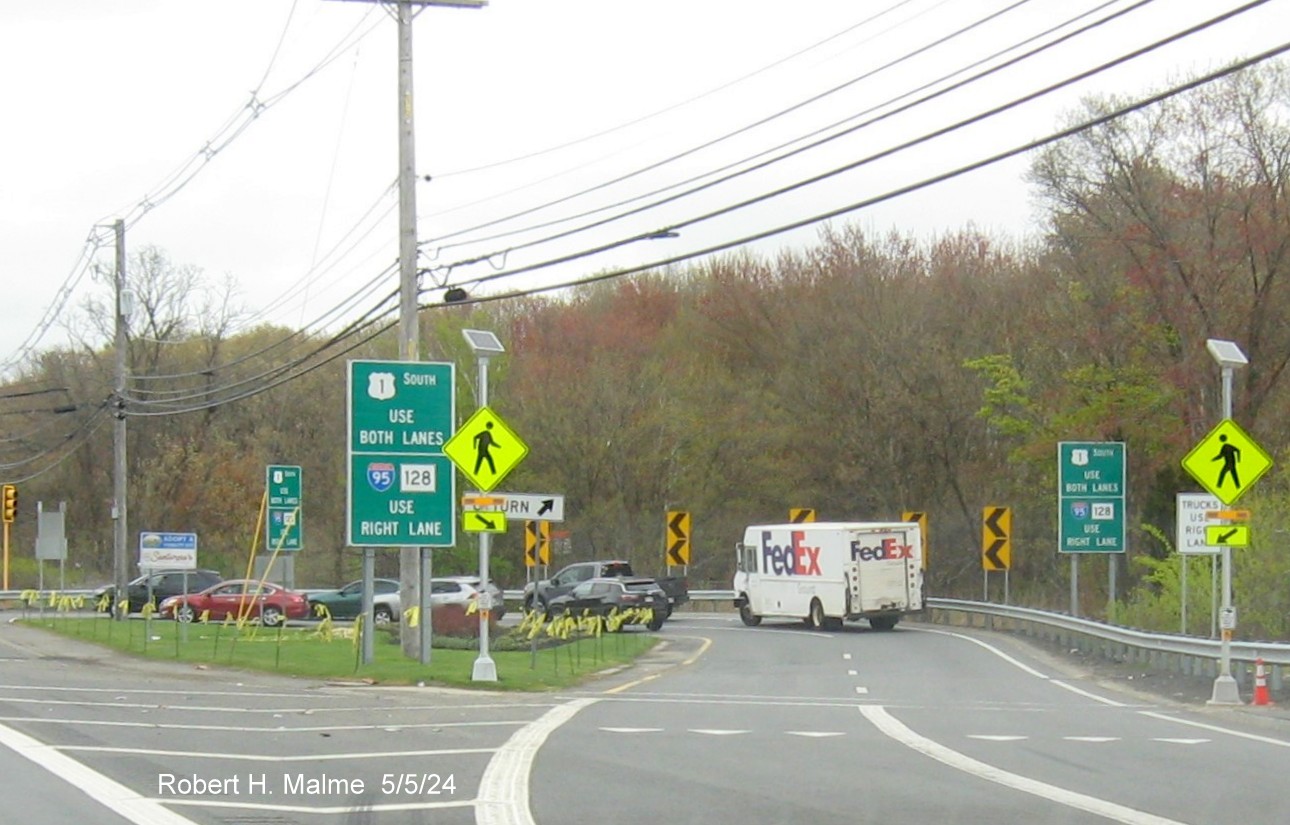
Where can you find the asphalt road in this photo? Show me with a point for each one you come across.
(722, 723)
(779, 724)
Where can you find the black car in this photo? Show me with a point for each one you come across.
(599, 597)
(164, 583)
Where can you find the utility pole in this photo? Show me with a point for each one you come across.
(120, 562)
(413, 561)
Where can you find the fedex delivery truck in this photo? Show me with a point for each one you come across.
(826, 573)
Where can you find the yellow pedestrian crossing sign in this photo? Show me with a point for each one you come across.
(1227, 462)
(485, 449)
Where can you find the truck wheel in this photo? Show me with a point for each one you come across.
(816, 617)
(747, 616)
(656, 623)
(883, 622)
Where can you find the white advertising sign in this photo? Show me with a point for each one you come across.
(167, 551)
(1192, 521)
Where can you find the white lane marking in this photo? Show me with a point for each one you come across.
(1093, 739)
(111, 794)
(300, 711)
(1267, 740)
(320, 809)
(1087, 695)
(851, 673)
(846, 655)
(264, 728)
(254, 757)
(770, 698)
(632, 730)
(1027, 668)
(503, 797)
(1181, 741)
(996, 651)
(861, 690)
(996, 737)
(787, 627)
(717, 731)
(888, 724)
(167, 692)
(814, 734)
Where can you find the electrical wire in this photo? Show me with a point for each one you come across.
(742, 129)
(175, 181)
(802, 149)
(1015, 151)
(924, 138)
(682, 104)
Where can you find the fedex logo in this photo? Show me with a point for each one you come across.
(794, 560)
(888, 549)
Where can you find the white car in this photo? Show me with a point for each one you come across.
(463, 590)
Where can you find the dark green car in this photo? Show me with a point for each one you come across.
(347, 602)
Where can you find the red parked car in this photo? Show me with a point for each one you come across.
(268, 602)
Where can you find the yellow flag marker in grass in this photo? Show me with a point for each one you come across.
(538, 622)
(205, 617)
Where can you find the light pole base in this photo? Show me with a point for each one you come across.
(485, 670)
(1225, 691)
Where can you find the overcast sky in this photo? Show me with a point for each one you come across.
(534, 118)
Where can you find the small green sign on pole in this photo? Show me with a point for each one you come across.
(284, 522)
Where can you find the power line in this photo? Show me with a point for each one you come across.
(924, 138)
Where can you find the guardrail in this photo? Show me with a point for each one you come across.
(1189, 655)
(1183, 654)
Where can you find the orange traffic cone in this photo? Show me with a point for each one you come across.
(1261, 696)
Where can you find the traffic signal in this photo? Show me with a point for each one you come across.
(10, 502)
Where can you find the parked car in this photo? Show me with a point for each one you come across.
(537, 595)
(463, 590)
(268, 602)
(164, 583)
(600, 596)
(347, 602)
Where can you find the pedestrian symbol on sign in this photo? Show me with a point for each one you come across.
(484, 443)
(1230, 455)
